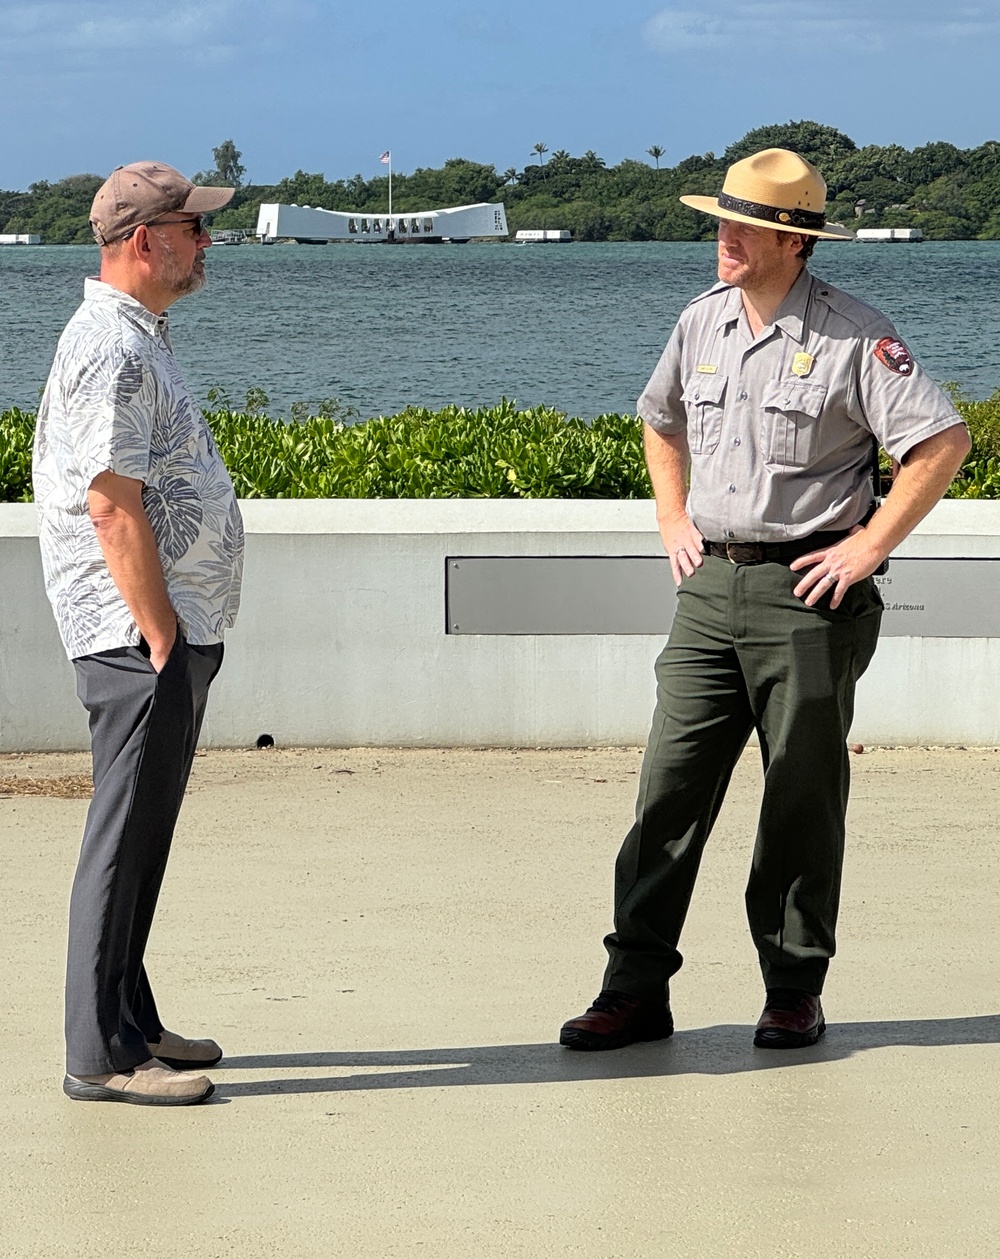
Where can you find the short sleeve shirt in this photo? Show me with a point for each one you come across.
(780, 426)
(115, 401)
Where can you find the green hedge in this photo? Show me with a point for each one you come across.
(16, 431)
(495, 452)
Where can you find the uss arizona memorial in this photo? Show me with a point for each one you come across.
(307, 224)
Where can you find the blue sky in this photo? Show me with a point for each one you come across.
(328, 86)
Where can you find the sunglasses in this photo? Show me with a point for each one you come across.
(198, 226)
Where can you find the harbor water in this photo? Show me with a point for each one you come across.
(578, 327)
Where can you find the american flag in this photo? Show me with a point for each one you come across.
(385, 158)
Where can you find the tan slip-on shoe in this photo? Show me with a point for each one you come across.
(150, 1084)
(183, 1054)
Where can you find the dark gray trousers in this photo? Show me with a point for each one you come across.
(144, 728)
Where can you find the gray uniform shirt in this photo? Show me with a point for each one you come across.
(780, 427)
(115, 401)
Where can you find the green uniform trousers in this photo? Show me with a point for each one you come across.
(745, 654)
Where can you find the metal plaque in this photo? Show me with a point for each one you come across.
(578, 594)
(634, 594)
(941, 598)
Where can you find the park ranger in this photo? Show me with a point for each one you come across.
(759, 425)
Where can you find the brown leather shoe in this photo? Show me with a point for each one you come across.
(184, 1054)
(792, 1019)
(616, 1019)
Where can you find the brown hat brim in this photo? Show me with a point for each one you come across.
(709, 205)
(202, 199)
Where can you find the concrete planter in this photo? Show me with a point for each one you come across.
(342, 636)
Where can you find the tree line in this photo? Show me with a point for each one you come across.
(949, 193)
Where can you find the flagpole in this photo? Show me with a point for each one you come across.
(386, 157)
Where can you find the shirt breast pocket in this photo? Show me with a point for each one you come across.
(704, 399)
(792, 416)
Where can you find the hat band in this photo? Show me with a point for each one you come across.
(772, 214)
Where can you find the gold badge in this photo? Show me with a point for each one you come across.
(706, 369)
(802, 364)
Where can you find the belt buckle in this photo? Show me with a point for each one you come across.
(744, 552)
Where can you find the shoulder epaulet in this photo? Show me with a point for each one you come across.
(855, 311)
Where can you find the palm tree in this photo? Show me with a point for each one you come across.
(592, 162)
(509, 176)
(655, 152)
(540, 148)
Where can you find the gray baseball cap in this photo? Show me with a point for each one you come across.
(141, 192)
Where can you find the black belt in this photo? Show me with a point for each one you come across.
(772, 552)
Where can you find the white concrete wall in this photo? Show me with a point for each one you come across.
(341, 638)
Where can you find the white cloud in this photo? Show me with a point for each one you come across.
(74, 36)
(112, 26)
(674, 30)
(777, 24)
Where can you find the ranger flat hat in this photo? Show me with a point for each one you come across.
(141, 192)
(774, 188)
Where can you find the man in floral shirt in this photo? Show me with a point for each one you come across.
(142, 549)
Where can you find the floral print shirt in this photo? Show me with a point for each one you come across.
(115, 401)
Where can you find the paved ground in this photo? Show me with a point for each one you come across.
(386, 943)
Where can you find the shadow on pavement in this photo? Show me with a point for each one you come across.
(725, 1049)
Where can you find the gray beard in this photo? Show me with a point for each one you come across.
(179, 281)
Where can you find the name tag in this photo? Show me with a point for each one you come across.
(802, 364)
(706, 369)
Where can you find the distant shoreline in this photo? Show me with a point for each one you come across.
(950, 194)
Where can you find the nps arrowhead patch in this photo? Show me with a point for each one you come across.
(893, 354)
